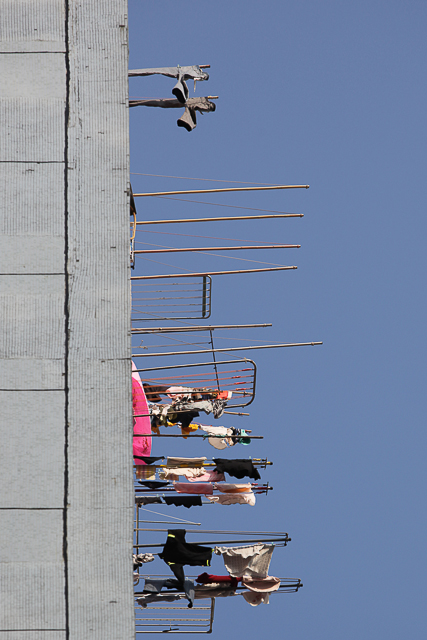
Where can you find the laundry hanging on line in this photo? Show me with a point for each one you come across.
(142, 558)
(230, 436)
(184, 413)
(200, 488)
(160, 598)
(180, 90)
(142, 425)
(154, 484)
(252, 561)
(183, 394)
(258, 585)
(145, 472)
(150, 460)
(204, 591)
(183, 501)
(218, 437)
(188, 120)
(153, 586)
(186, 404)
(196, 474)
(177, 550)
(177, 553)
(174, 461)
(148, 500)
(238, 468)
(234, 498)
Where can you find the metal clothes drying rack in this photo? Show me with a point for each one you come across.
(199, 619)
(172, 300)
(177, 617)
(218, 375)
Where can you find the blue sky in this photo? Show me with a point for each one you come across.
(330, 94)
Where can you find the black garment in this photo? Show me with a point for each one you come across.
(152, 393)
(185, 418)
(177, 550)
(184, 501)
(237, 468)
(153, 484)
(148, 460)
(178, 571)
(208, 406)
(148, 500)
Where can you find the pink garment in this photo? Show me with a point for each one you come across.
(135, 373)
(201, 488)
(142, 445)
(261, 585)
(209, 476)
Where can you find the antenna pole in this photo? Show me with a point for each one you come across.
(180, 193)
(193, 249)
(207, 273)
(263, 346)
(199, 328)
(282, 215)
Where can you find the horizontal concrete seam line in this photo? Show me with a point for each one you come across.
(31, 509)
(58, 389)
(26, 53)
(29, 630)
(31, 162)
(124, 359)
(32, 274)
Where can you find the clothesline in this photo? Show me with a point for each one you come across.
(181, 435)
(283, 540)
(285, 583)
(257, 462)
(228, 532)
(159, 175)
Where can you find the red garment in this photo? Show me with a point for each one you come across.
(206, 578)
(141, 445)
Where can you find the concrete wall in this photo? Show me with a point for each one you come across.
(65, 396)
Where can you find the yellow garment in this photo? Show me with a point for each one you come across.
(187, 430)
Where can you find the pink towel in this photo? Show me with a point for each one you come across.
(141, 445)
(200, 488)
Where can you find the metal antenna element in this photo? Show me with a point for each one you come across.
(209, 273)
(210, 327)
(282, 215)
(180, 193)
(192, 249)
(264, 346)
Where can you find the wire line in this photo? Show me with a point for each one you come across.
(228, 206)
(159, 175)
(191, 235)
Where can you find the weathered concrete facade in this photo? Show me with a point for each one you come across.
(65, 396)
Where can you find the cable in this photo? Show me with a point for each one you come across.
(168, 265)
(159, 175)
(190, 235)
(219, 255)
(228, 206)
